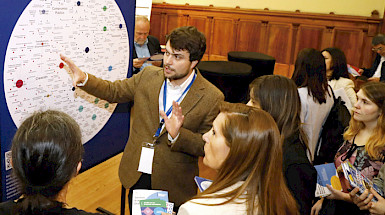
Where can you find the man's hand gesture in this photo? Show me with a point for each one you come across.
(78, 76)
(175, 122)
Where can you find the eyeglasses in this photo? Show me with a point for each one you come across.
(377, 49)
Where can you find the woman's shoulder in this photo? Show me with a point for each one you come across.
(341, 82)
(294, 151)
(212, 205)
(196, 206)
(303, 90)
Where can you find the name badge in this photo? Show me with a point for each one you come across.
(146, 158)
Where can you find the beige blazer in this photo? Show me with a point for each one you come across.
(348, 85)
(174, 166)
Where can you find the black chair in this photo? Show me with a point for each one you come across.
(232, 78)
(262, 64)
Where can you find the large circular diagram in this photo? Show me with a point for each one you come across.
(92, 33)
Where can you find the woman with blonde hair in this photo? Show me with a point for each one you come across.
(244, 147)
(278, 96)
(364, 147)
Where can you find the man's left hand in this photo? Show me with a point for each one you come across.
(175, 122)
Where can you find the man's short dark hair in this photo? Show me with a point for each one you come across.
(378, 39)
(190, 39)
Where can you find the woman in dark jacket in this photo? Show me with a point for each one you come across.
(278, 96)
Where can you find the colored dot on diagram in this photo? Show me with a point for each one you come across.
(19, 83)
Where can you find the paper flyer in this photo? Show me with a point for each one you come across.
(152, 207)
(357, 179)
(326, 174)
(138, 195)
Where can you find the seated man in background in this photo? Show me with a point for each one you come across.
(377, 71)
(145, 45)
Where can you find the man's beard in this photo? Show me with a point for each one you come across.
(175, 76)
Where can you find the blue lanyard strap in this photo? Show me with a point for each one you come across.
(165, 100)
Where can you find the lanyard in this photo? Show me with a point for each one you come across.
(165, 100)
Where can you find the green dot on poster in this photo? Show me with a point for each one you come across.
(96, 100)
(105, 8)
(106, 105)
(94, 117)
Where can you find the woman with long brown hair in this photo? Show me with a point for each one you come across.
(278, 96)
(316, 99)
(244, 147)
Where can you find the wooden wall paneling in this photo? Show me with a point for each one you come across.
(156, 25)
(236, 27)
(203, 24)
(248, 36)
(183, 20)
(281, 34)
(367, 54)
(351, 42)
(293, 53)
(171, 22)
(222, 38)
(279, 37)
(264, 41)
(309, 37)
(328, 37)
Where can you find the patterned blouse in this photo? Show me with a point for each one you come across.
(359, 158)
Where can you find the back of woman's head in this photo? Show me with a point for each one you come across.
(278, 96)
(46, 151)
(255, 157)
(310, 72)
(338, 63)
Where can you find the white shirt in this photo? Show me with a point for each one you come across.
(173, 94)
(377, 74)
(313, 116)
(236, 207)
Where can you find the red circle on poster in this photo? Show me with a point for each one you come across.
(19, 83)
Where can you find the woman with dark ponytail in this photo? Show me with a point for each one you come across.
(46, 154)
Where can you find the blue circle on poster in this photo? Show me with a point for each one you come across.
(158, 211)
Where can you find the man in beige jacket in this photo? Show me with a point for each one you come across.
(154, 91)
